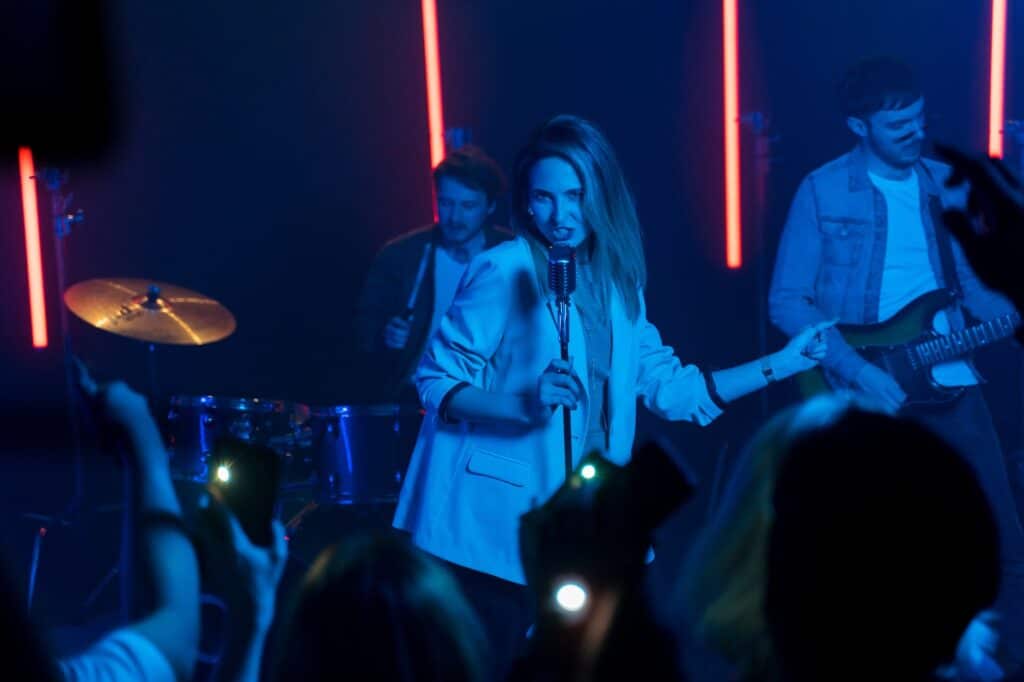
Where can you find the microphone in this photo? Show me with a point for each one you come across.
(562, 271)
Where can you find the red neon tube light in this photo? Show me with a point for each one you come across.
(997, 79)
(432, 58)
(33, 250)
(731, 83)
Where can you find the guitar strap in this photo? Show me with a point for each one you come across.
(942, 240)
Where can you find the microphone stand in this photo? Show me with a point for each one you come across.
(563, 339)
(562, 281)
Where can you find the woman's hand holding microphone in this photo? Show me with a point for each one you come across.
(558, 386)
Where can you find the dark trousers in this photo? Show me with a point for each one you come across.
(967, 426)
(505, 612)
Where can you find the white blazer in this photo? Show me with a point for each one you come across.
(467, 484)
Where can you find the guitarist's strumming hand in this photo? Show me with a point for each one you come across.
(879, 385)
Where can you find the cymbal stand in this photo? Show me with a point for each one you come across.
(759, 126)
(152, 303)
(63, 220)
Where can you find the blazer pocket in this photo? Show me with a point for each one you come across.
(491, 465)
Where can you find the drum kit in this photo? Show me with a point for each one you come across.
(331, 454)
(342, 465)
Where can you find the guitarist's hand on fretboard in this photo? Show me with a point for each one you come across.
(879, 385)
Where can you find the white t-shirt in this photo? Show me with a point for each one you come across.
(907, 273)
(447, 275)
(122, 656)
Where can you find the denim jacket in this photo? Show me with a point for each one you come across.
(832, 255)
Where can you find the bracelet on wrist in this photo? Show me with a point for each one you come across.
(766, 370)
(712, 388)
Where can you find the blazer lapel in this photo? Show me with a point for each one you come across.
(620, 383)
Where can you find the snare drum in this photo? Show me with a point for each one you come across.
(197, 421)
(360, 452)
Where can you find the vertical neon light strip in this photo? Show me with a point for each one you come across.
(731, 87)
(432, 58)
(997, 79)
(33, 250)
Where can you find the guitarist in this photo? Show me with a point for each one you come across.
(864, 237)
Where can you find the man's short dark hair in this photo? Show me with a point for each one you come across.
(877, 84)
(473, 168)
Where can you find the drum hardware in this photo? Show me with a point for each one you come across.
(64, 218)
(361, 452)
(152, 312)
(196, 422)
(155, 312)
(340, 454)
(334, 457)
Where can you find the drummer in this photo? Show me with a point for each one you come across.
(414, 277)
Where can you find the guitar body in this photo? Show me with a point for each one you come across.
(885, 345)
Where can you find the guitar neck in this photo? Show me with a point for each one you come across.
(960, 343)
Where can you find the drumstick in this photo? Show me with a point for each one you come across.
(414, 294)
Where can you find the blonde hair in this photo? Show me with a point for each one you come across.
(723, 584)
(617, 254)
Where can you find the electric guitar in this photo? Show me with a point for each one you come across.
(906, 346)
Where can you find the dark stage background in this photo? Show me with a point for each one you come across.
(265, 152)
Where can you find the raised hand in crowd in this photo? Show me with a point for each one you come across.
(245, 576)
(991, 228)
(163, 643)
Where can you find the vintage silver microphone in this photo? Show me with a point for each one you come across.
(562, 282)
(562, 272)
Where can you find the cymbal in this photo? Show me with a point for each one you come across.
(156, 312)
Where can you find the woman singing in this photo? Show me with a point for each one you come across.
(491, 378)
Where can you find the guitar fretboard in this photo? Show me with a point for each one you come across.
(960, 343)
